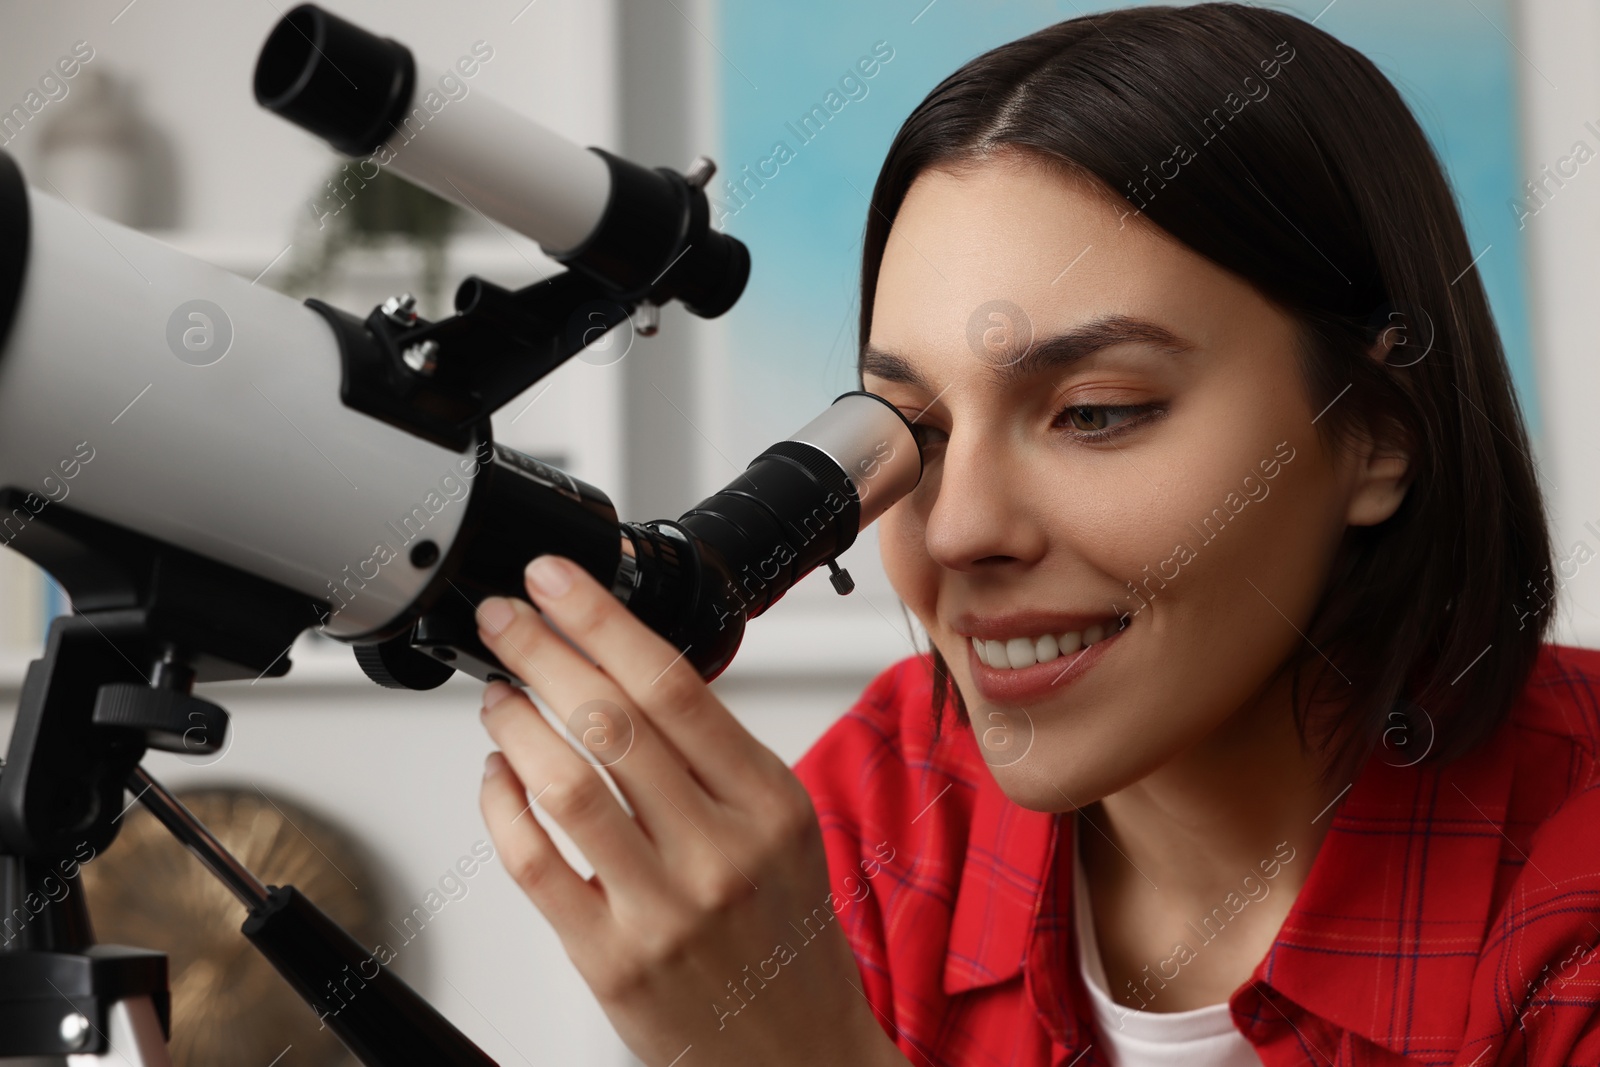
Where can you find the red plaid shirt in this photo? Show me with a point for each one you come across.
(1451, 916)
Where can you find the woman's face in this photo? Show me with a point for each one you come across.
(1150, 459)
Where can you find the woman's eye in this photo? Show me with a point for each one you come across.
(926, 435)
(1101, 420)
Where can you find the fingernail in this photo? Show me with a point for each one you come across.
(495, 613)
(495, 692)
(492, 765)
(549, 576)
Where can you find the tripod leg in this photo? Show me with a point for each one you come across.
(385, 1023)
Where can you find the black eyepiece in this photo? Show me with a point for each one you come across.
(333, 78)
(800, 504)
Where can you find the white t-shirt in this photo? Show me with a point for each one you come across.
(1200, 1037)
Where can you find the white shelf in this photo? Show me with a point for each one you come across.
(508, 259)
(317, 663)
(815, 644)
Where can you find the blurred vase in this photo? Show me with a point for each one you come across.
(91, 151)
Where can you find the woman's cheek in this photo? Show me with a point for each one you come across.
(903, 549)
(1121, 524)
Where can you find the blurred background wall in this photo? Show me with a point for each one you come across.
(159, 126)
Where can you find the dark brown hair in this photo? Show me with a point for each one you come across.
(1309, 177)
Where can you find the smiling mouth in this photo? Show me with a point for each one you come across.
(1017, 653)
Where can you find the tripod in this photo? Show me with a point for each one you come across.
(115, 680)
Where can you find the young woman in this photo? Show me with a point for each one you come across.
(1234, 563)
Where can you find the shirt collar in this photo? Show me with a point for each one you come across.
(1385, 936)
(1382, 939)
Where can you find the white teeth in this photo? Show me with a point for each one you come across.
(1019, 652)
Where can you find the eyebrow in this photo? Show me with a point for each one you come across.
(1045, 354)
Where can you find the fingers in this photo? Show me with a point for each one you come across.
(650, 774)
(567, 787)
(656, 677)
(572, 905)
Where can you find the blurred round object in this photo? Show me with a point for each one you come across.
(229, 1007)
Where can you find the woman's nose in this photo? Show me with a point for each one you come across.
(983, 511)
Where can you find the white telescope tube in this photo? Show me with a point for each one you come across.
(193, 407)
(480, 154)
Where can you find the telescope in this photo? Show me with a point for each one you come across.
(210, 468)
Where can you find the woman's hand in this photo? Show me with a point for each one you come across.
(704, 931)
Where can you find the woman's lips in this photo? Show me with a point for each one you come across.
(1042, 680)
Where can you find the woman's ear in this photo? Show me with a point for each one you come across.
(1381, 482)
(1382, 470)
